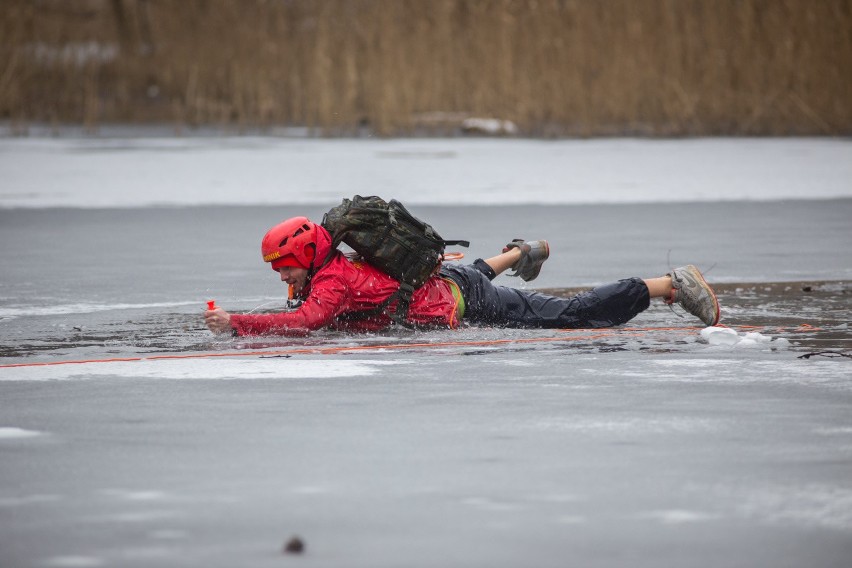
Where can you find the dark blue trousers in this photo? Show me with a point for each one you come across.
(603, 306)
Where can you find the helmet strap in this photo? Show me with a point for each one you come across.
(311, 267)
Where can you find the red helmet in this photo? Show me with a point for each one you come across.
(291, 243)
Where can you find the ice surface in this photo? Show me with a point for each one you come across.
(138, 172)
(644, 446)
(577, 454)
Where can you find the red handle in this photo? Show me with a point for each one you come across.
(211, 305)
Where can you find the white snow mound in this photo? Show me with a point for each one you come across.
(715, 335)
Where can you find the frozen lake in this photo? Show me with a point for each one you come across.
(649, 445)
(121, 171)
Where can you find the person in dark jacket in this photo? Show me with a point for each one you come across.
(345, 294)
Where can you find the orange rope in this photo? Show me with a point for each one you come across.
(608, 332)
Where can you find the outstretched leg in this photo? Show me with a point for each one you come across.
(603, 306)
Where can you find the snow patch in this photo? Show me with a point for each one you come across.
(13, 433)
(201, 369)
(83, 308)
(726, 336)
(490, 126)
(127, 495)
(73, 561)
(677, 516)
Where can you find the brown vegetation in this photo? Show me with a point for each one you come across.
(396, 67)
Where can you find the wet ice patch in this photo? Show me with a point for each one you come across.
(571, 519)
(676, 516)
(745, 370)
(812, 505)
(513, 362)
(715, 335)
(141, 517)
(146, 553)
(127, 495)
(841, 430)
(53, 310)
(168, 534)
(73, 561)
(194, 369)
(13, 433)
(22, 501)
(555, 498)
(310, 490)
(633, 426)
(487, 504)
(135, 516)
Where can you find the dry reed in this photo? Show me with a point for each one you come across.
(396, 67)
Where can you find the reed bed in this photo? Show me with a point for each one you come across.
(401, 67)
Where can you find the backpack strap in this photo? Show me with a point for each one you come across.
(403, 303)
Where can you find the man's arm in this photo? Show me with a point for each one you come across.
(329, 297)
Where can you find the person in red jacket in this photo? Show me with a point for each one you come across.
(349, 294)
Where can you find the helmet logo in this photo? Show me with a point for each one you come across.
(271, 256)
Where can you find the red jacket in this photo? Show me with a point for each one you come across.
(344, 287)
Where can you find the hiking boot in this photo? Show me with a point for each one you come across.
(690, 290)
(533, 255)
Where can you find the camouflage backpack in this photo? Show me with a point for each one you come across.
(390, 238)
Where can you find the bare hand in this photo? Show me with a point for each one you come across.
(218, 320)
